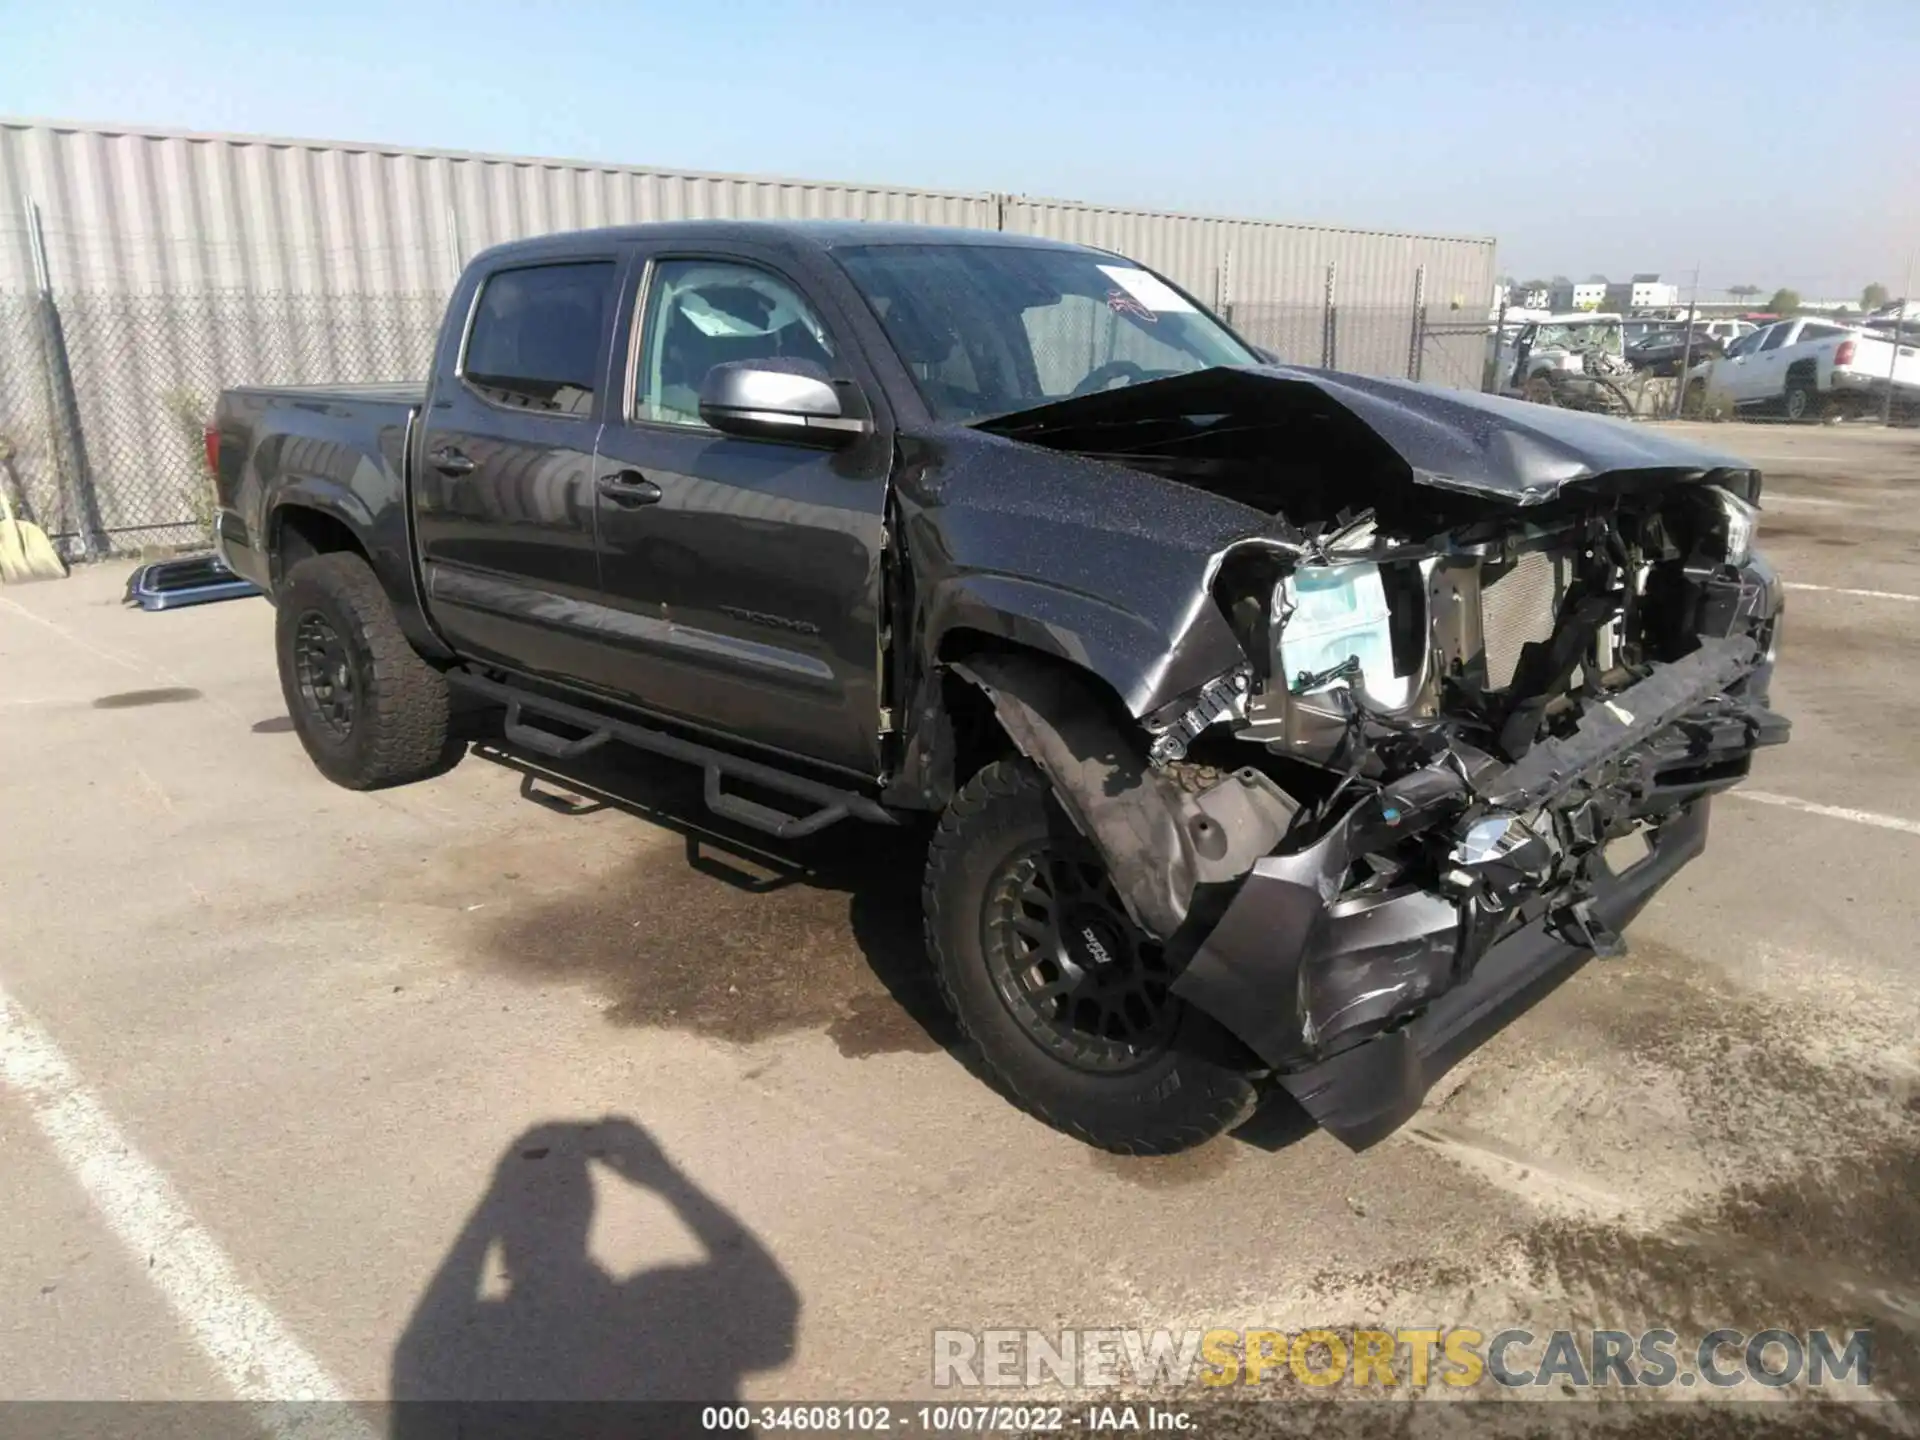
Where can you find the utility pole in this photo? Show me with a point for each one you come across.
(1899, 328)
(1686, 350)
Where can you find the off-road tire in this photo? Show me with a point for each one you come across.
(399, 729)
(1192, 1090)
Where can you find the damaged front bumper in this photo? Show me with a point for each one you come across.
(1359, 994)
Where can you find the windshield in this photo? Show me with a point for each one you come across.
(988, 329)
(1578, 335)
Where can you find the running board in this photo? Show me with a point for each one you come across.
(830, 804)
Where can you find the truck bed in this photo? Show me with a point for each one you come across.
(337, 451)
(390, 392)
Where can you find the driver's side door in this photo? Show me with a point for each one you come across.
(741, 576)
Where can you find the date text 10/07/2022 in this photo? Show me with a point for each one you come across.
(940, 1419)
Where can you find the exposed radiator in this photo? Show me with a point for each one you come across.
(1518, 609)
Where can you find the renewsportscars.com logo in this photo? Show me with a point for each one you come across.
(1457, 1356)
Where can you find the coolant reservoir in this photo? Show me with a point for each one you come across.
(1339, 611)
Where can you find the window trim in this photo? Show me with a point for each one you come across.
(628, 410)
(612, 261)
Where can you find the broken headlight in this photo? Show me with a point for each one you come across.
(1739, 523)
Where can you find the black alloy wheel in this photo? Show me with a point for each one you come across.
(325, 671)
(1077, 974)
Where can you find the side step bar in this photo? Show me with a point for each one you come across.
(830, 804)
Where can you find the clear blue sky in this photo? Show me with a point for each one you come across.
(1771, 142)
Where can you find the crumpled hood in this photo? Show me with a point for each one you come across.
(1484, 445)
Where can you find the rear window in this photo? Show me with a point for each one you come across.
(535, 341)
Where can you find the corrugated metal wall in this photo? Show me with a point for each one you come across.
(154, 210)
(126, 210)
(182, 263)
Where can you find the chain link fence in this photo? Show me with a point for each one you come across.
(104, 397)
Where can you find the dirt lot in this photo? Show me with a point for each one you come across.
(397, 1065)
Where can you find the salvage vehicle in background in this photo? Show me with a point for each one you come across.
(1271, 725)
(1575, 361)
(1807, 370)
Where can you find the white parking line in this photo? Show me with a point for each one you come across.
(1812, 502)
(1832, 812)
(1861, 594)
(254, 1352)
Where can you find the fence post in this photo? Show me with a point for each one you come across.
(1418, 341)
(65, 444)
(1329, 325)
(1490, 364)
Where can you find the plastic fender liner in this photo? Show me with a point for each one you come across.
(1158, 842)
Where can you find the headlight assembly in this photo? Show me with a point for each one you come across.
(1740, 522)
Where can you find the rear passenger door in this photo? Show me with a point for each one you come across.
(743, 576)
(503, 507)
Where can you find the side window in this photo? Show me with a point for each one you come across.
(1820, 332)
(1776, 337)
(703, 313)
(535, 341)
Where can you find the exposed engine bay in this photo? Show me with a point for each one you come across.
(1453, 696)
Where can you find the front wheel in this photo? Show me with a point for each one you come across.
(368, 709)
(1066, 1001)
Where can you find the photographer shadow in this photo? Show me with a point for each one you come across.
(520, 1318)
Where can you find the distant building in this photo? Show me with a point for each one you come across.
(1589, 296)
(1643, 292)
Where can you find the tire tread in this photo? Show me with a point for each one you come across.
(1010, 785)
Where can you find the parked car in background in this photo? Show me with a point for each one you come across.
(1809, 369)
(1665, 351)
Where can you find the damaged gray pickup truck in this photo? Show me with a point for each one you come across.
(1274, 727)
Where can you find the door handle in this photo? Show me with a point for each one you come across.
(449, 461)
(629, 488)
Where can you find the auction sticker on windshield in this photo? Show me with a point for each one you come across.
(1150, 290)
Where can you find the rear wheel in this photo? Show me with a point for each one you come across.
(1065, 999)
(1802, 401)
(368, 709)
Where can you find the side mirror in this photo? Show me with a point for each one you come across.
(776, 399)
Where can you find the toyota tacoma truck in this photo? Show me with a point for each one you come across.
(1268, 727)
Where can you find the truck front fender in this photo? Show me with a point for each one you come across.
(1160, 844)
(1144, 663)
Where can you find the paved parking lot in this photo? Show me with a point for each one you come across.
(511, 1082)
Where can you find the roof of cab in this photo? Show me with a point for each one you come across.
(788, 234)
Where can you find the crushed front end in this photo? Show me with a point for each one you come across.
(1483, 654)
(1474, 722)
